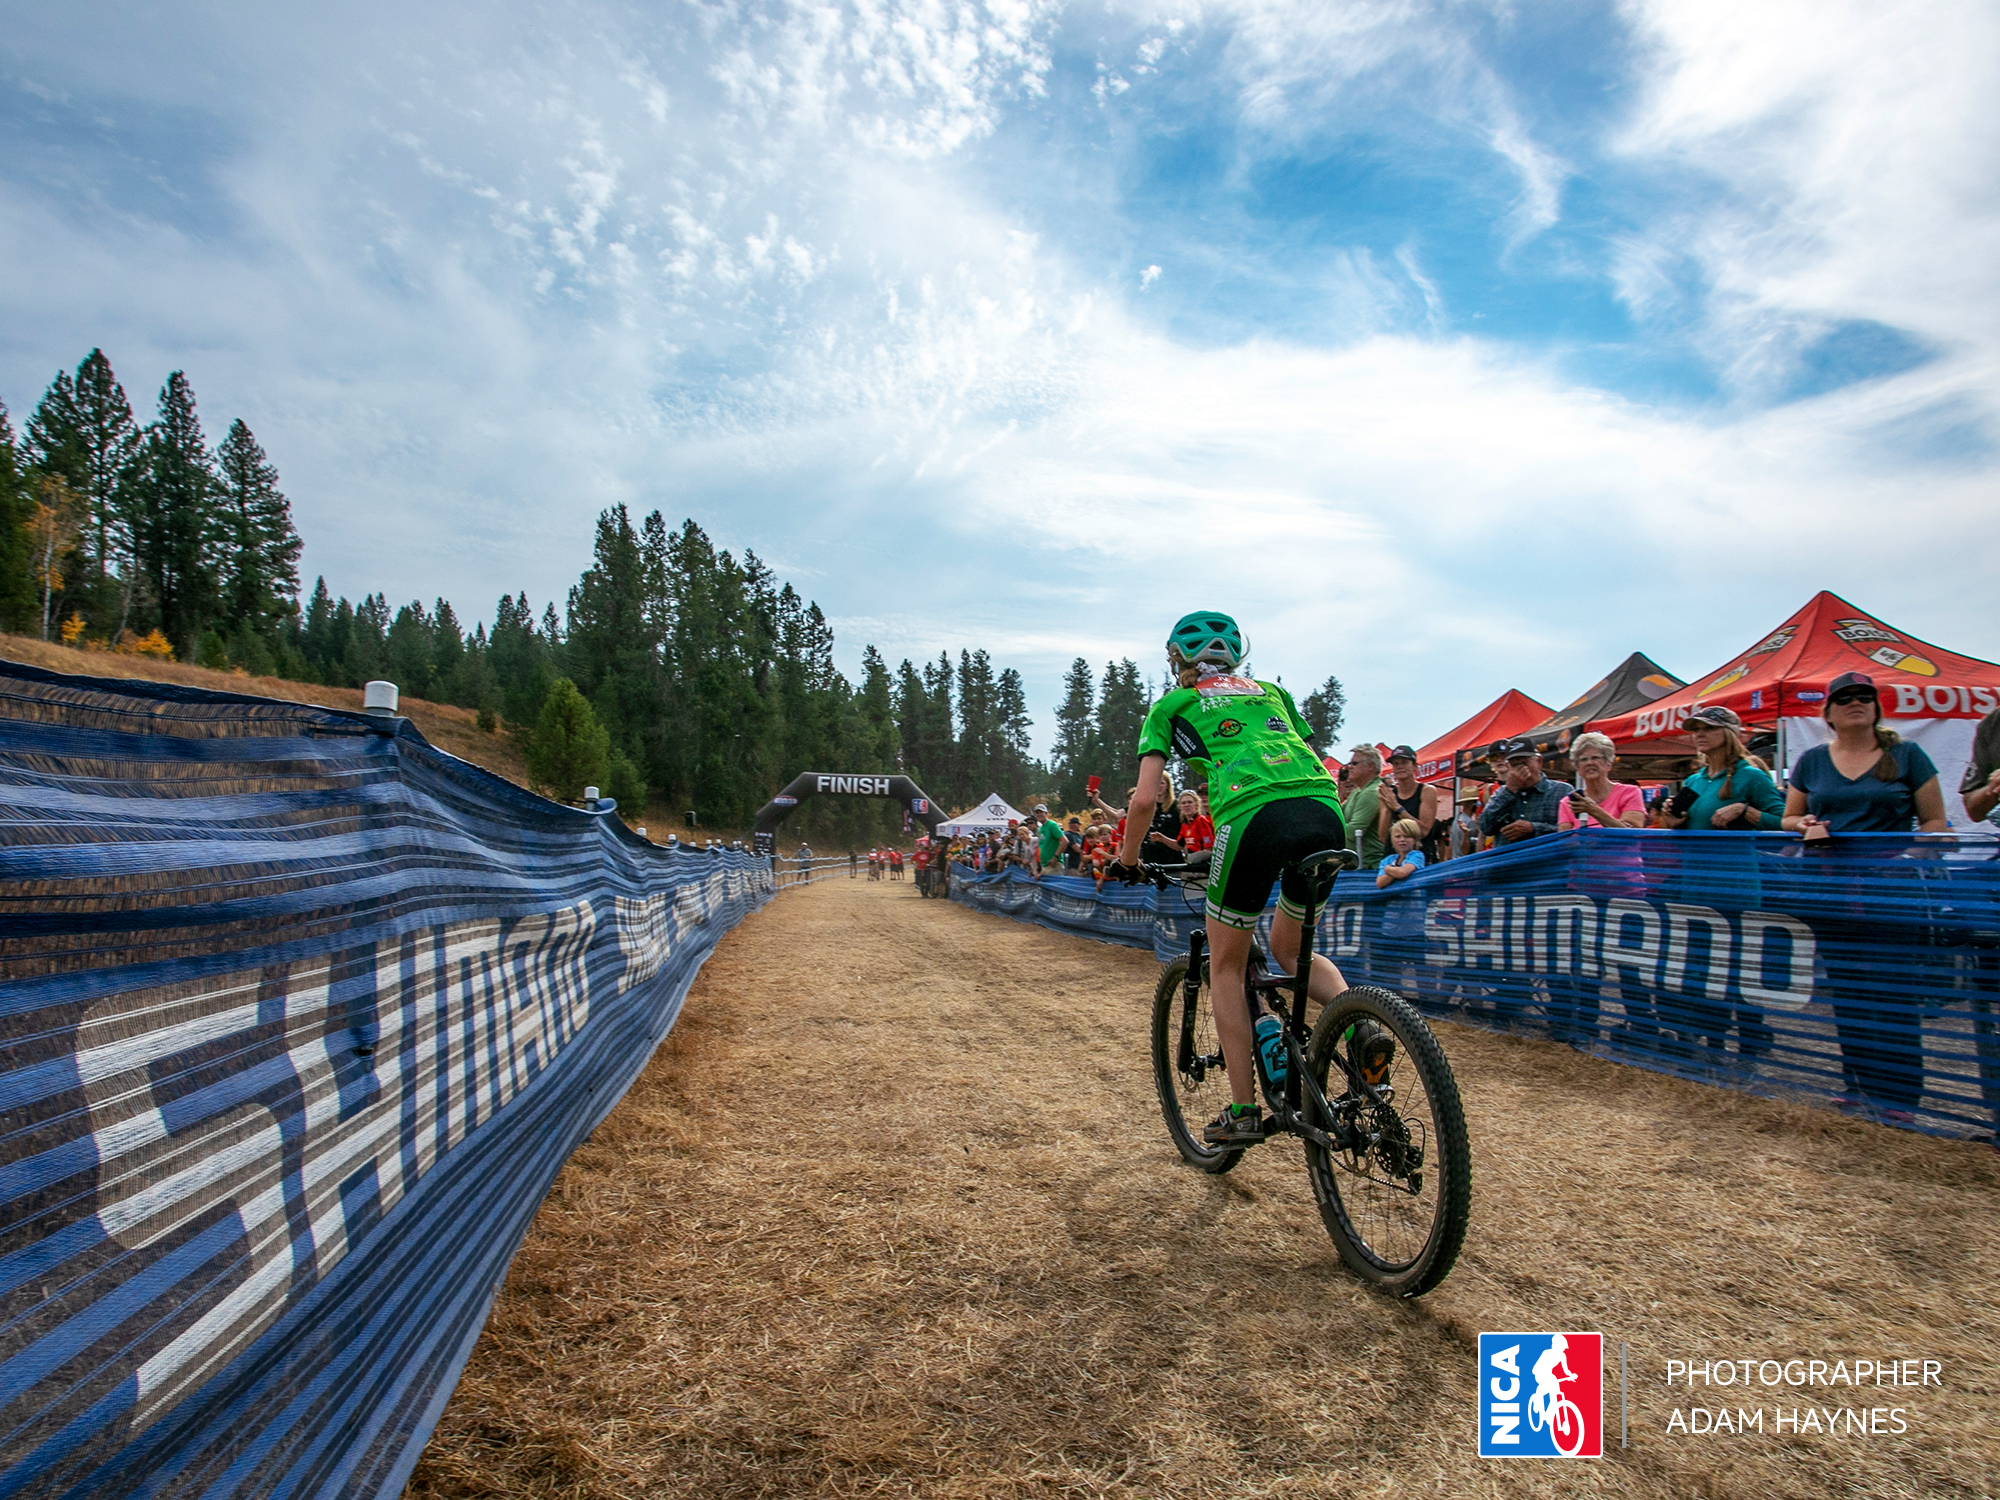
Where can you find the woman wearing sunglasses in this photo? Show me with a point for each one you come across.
(1868, 780)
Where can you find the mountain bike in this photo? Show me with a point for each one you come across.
(1384, 1136)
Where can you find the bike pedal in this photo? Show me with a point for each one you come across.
(1373, 1049)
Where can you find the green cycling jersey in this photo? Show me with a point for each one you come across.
(1245, 736)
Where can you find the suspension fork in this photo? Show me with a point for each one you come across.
(1190, 990)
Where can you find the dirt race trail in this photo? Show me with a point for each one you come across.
(892, 1213)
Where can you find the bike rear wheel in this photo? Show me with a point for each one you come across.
(1397, 1203)
(1188, 1098)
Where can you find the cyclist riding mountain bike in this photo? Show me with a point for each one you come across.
(1271, 802)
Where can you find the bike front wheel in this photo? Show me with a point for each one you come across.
(1566, 1427)
(1396, 1201)
(1188, 1096)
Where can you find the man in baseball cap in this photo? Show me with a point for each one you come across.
(1527, 804)
(1403, 796)
(1048, 840)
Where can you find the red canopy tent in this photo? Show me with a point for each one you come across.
(1930, 695)
(1508, 714)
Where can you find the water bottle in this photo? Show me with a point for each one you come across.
(1271, 1047)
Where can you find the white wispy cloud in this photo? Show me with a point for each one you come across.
(756, 264)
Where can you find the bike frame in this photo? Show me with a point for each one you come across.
(1299, 1088)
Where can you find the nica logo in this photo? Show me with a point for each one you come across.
(1541, 1395)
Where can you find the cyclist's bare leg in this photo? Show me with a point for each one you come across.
(1327, 982)
(1228, 969)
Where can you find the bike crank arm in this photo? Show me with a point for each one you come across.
(1295, 1120)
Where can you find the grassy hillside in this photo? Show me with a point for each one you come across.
(449, 728)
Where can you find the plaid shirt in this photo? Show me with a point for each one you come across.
(1538, 805)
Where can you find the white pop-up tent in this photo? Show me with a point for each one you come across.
(988, 817)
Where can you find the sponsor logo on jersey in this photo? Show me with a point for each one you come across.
(1229, 728)
(1228, 686)
(1276, 724)
(1541, 1395)
(1277, 755)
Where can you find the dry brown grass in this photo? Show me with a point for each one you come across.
(453, 729)
(892, 1213)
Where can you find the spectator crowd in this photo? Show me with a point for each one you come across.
(1863, 779)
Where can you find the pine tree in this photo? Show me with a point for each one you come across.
(1324, 709)
(407, 652)
(260, 565)
(368, 640)
(54, 435)
(83, 431)
(110, 449)
(17, 591)
(924, 720)
(611, 653)
(178, 536)
(448, 656)
(1121, 713)
(876, 744)
(522, 663)
(570, 747)
(1012, 721)
(625, 785)
(1076, 753)
(980, 746)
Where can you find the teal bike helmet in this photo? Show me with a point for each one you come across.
(1208, 636)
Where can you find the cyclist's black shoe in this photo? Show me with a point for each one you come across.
(1232, 1129)
(1371, 1048)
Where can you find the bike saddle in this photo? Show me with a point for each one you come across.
(1320, 869)
(1329, 862)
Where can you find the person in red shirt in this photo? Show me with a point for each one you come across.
(1197, 830)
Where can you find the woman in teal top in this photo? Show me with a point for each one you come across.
(1730, 791)
(1731, 794)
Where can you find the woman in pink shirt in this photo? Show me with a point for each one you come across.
(1600, 802)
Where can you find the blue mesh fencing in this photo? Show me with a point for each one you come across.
(301, 1016)
(1862, 972)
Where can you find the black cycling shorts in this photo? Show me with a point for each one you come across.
(1250, 850)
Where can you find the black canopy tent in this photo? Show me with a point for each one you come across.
(1632, 684)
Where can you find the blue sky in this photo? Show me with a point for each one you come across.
(1456, 347)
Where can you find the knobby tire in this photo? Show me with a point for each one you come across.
(1403, 1242)
(1186, 1104)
